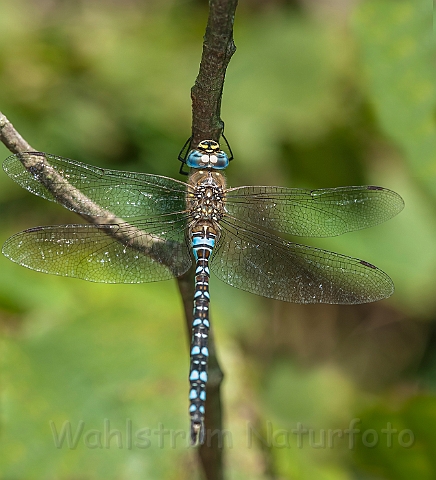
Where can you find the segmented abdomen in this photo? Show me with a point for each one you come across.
(202, 241)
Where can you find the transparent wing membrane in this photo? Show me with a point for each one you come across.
(146, 237)
(313, 213)
(266, 265)
(91, 189)
(103, 253)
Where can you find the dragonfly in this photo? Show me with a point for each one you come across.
(147, 228)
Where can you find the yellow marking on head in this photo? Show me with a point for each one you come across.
(208, 145)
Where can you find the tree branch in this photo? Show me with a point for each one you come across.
(11, 138)
(206, 94)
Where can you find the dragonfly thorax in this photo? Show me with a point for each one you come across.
(207, 202)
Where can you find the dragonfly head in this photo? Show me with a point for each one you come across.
(207, 155)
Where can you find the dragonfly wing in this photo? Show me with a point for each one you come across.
(266, 265)
(314, 213)
(91, 190)
(102, 253)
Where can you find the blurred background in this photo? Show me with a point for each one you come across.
(319, 94)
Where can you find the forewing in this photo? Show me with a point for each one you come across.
(91, 190)
(313, 213)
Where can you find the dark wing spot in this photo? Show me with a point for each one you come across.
(34, 229)
(370, 265)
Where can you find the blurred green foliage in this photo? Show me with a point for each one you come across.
(322, 95)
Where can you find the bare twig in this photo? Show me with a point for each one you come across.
(206, 94)
(11, 138)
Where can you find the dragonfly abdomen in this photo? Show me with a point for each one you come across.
(202, 241)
